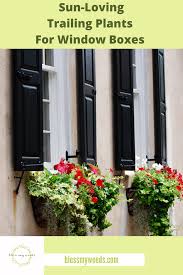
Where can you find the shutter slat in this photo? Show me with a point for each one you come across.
(86, 105)
(159, 107)
(27, 105)
(123, 110)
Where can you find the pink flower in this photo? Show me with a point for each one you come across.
(64, 167)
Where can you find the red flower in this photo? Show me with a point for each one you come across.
(179, 188)
(94, 169)
(100, 183)
(111, 170)
(64, 167)
(179, 176)
(168, 170)
(91, 191)
(94, 199)
(155, 181)
(80, 181)
(79, 174)
(181, 182)
(141, 169)
(180, 179)
(83, 181)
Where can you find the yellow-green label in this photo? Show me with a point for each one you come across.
(91, 24)
(163, 255)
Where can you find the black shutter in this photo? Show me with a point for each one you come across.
(27, 105)
(123, 110)
(86, 105)
(159, 107)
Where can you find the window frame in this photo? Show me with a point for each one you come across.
(60, 105)
(140, 107)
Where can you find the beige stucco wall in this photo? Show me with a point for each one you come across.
(121, 223)
(104, 128)
(174, 101)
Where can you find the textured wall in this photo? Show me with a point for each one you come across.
(174, 100)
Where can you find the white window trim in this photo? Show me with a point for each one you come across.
(140, 108)
(60, 97)
(51, 77)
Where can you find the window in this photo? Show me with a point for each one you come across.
(48, 70)
(57, 104)
(53, 107)
(140, 105)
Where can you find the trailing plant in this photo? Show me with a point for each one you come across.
(156, 189)
(99, 194)
(63, 208)
(77, 197)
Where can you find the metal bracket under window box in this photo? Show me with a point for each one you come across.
(19, 183)
(153, 159)
(67, 156)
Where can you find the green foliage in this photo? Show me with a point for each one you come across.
(108, 196)
(78, 197)
(62, 199)
(157, 190)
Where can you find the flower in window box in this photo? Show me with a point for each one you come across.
(155, 189)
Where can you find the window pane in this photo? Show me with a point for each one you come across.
(46, 116)
(45, 85)
(133, 57)
(134, 69)
(46, 147)
(134, 78)
(49, 57)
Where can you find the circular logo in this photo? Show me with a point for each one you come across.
(21, 255)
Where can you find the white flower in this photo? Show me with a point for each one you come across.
(74, 181)
(157, 166)
(137, 158)
(53, 172)
(144, 163)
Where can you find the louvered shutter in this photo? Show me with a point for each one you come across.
(27, 105)
(159, 107)
(123, 110)
(86, 105)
